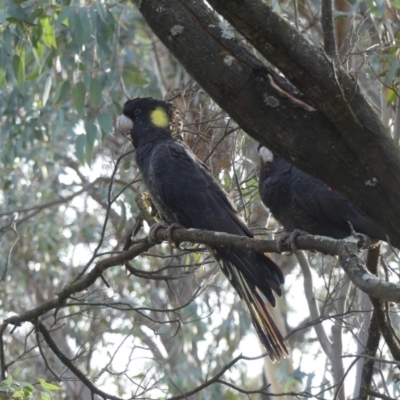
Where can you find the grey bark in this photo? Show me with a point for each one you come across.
(343, 142)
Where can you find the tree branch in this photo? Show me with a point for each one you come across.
(70, 365)
(326, 344)
(345, 144)
(328, 29)
(371, 348)
(346, 248)
(385, 326)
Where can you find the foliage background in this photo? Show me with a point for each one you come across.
(66, 68)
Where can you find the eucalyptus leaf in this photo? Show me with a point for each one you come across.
(62, 92)
(95, 92)
(134, 78)
(18, 66)
(91, 133)
(46, 91)
(80, 145)
(78, 96)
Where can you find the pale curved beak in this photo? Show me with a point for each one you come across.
(266, 155)
(124, 125)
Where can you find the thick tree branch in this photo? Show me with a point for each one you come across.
(328, 29)
(336, 94)
(344, 144)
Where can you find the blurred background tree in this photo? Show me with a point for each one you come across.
(69, 198)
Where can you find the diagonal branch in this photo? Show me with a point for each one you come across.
(344, 143)
(70, 365)
(328, 29)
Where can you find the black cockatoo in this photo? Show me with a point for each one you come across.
(301, 202)
(184, 192)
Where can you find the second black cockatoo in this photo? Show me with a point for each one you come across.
(301, 202)
(184, 192)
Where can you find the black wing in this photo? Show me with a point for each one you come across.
(186, 188)
(188, 194)
(329, 207)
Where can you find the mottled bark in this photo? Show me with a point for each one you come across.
(342, 143)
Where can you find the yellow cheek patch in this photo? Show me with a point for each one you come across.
(159, 118)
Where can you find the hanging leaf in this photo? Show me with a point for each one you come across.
(48, 36)
(62, 92)
(91, 133)
(76, 29)
(123, 219)
(46, 92)
(95, 91)
(86, 26)
(3, 81)
(62, 18)
(391, 96)
(105, 122)
(18, 65)
(16, 13)
(78, 96)
(134, 78)
(80, 147)
(48, 385)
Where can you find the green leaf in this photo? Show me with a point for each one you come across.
(391, 96)
(134, 78)
(62, 92)
(78, 96)
(396, 3)
(9, 380)
(18, 64)
(19, 394)
(16, 12)
(33, 75)
(48, 35)
(86, 26)
(91, 133)
(28, 387)
(95, 91)
(48, 385)
(37, 13)
(75, 28)
(80, 147)
(105, 122)
(38, 52)
(44, 396)
(3, 81)
(46, 92)
(62, 19)
(122, 223)
(118, 107)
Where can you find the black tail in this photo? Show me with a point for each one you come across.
(253, 275)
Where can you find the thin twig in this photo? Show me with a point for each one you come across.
(69, 364)
(376, 359)
(13, 227)
(109, 204)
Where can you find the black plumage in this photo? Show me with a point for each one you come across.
(185, 192)
(299, 201)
